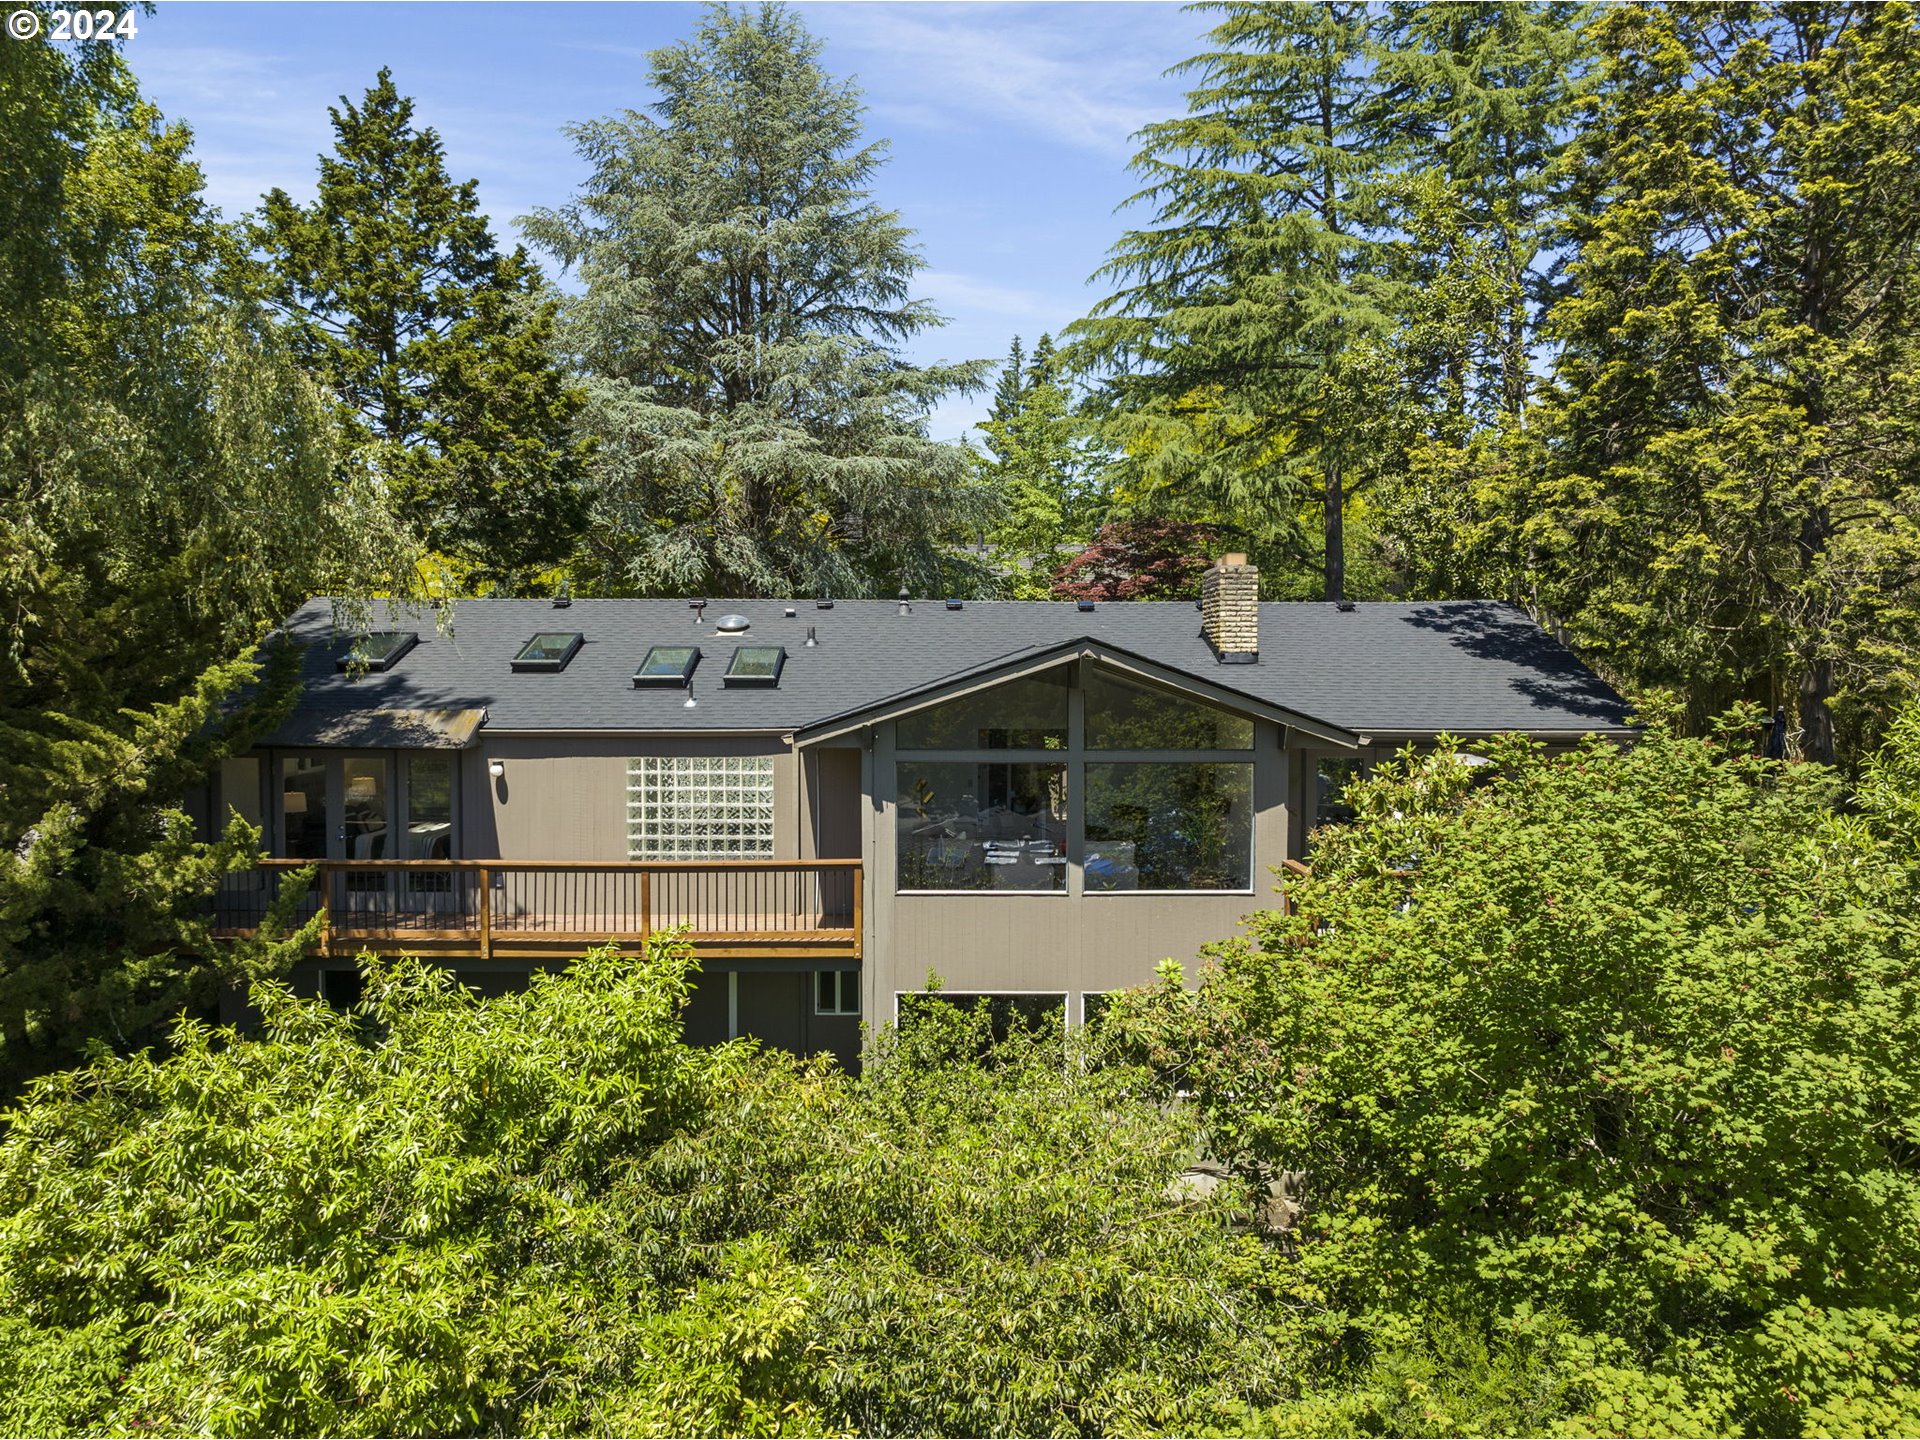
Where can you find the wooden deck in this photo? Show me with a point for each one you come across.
(508, 909)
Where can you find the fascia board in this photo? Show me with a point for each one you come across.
(999, 672)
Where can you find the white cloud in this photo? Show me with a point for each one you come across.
(955, 417)
(952, 292)
(1086, 76)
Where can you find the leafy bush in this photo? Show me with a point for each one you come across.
(1631, 1037)
(546, 1214)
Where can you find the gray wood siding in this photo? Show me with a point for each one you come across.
(1055, 942)
(564, 797)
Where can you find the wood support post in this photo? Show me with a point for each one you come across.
(486, 913)
(646, 909)
(859, 909)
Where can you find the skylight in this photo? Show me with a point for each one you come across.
(667, 665)
(377, 651)
(550, 650)
(756, 665)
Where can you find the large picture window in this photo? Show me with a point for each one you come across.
(1124, 715)
(1161, 783)
(693, 807)
(997, 825)
(1028, 714)
(1169, 826)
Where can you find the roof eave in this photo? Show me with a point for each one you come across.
(1001, 671)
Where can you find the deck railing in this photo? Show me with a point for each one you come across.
(479, 906)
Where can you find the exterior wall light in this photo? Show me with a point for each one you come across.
(496, 768)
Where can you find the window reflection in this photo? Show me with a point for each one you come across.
(364, 816)
(239, 790)
(1169, 826)
(1028, 714)
(987, 826)
(430, 807)
(303, 806)
(1122, 715)
(1331, 778)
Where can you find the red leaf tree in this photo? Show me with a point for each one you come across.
(1139, 560)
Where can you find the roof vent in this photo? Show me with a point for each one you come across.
(823, 603)
(1343, 605)
(953, 604)
(563, 597)
(906, 601)
(790, 612)
(698, 607)
(731, 624)
(1083, 605)
(812, 644)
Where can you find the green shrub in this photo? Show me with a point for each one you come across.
(1631, 1036)
(544, 1213)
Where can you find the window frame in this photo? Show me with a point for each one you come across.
(844, 983)
(522, 664)
(1076, 757)
(674, 681)
(350, 659)
(766, 682)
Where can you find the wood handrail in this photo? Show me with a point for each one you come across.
(807, 906)
(612, 866)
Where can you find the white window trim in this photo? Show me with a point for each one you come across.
(848, 983)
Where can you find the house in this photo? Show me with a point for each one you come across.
(835, 798)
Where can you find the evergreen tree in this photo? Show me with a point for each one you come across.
(1040, 467)
(1729, 500)
(1249, 296)
(1473, 105)
(757, 433)
(1473, 108)
(166, 493)
(438, 345)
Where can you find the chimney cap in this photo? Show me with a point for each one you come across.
(1234, 557)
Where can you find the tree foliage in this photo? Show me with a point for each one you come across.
(1139, 560)
(167, 491)
(438, 346)
(1258, 275)
(545, 1214)
(757, 431)
(1622, 1037)
(1728, 499)
(1041, 468)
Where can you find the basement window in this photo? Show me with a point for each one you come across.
(667, 665)
(549, 651)
(376, 651)
(756, 665)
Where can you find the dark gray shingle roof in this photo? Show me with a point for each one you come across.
(1469, 666)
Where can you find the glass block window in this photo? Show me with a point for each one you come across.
(698, 807)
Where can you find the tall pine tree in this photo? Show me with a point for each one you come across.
(758, 432)
(439, 347)
(1472, 109)
(1259, 280)
(1041, 467)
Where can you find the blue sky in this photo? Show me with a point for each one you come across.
(1010, 124)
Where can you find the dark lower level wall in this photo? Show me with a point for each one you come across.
(777, 1008)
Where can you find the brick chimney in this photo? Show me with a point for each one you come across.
(1230, 610)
